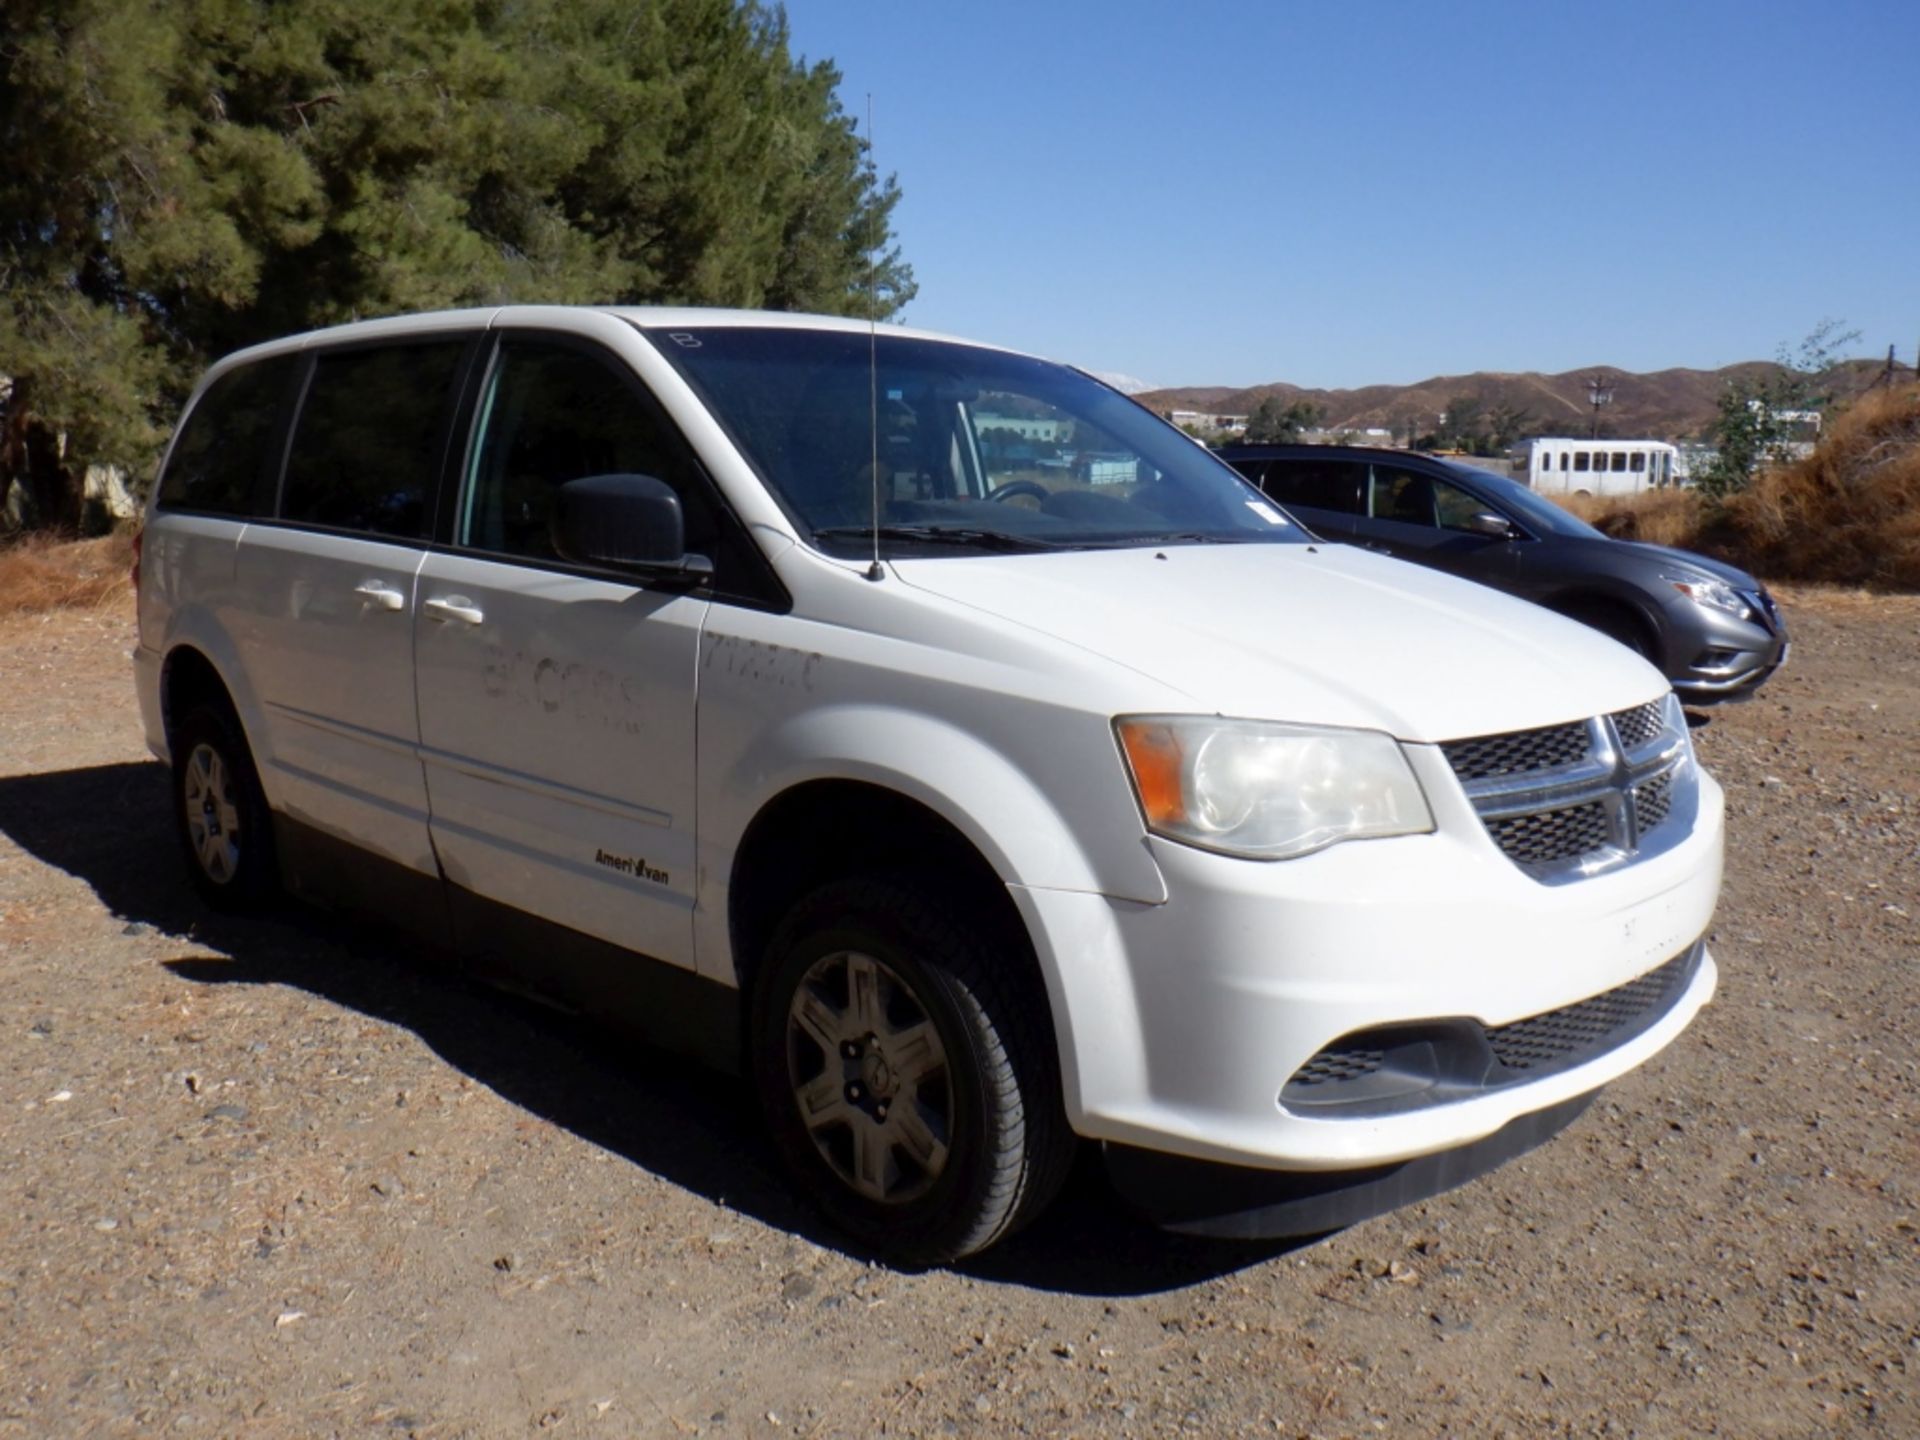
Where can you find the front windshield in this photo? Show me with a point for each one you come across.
(1539, 513)
(961, 449)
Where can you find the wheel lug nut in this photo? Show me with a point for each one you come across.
(851, 1049)
(853, 1092)
(880, 1112)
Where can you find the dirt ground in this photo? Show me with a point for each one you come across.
(277, 1178)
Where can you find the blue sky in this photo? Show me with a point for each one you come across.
(1343, 194)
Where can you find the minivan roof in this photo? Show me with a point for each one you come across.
(642, 317)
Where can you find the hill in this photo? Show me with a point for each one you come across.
(1664, 405)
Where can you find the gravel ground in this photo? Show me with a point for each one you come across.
(280, 1178)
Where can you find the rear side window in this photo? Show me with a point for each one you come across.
(221, 464)
(1318, 484)
(1403, 495)
(368, 444)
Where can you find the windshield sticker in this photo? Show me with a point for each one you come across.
(1266, 512)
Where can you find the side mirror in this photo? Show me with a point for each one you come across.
(1497, 527)
(622, 521)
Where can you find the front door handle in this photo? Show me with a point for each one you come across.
(454, 607)
(380, 597)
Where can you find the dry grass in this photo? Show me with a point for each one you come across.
(40, 573)
(1661, 517)
(1849, 514)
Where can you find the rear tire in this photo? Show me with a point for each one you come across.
(908, 1071)
(220, 812)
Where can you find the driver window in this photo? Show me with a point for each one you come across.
(1455, 507)
(552, 414)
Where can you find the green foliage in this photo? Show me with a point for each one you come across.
(1756, 422)
(1274, 422)
(180, 180)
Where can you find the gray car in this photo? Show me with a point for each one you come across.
(1713, 629)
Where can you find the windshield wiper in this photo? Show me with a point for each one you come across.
(963, 535)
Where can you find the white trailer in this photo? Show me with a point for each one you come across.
(1600, 467)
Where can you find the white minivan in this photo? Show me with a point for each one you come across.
(933, 734)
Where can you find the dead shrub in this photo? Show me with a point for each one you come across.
(1848, 514)
(1660, 517)
(40, 573)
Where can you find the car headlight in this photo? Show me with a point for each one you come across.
(1268, 791)
(1717, 594)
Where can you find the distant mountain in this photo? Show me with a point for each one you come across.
(1125, 384)
(1665, 405)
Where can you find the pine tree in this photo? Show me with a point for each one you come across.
(177, 181)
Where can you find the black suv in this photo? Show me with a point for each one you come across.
(1713, 629)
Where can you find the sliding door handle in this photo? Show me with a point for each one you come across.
(453, 607)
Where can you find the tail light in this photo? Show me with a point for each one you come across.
(133, 572)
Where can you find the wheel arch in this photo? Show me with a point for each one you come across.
(1587, 604)
(188, 678)
(828, 829)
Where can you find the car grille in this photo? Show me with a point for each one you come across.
(1762, 604)
(1549, 835)
(1639, 725)
(1337, 1063)
(1519, 752)
(1405, 1066)
(1566, 801)
(1588, 1027)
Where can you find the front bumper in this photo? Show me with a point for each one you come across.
(1182, 1023)
(1199, 1197)
(1719, 657)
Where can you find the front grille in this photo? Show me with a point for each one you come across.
(1337, 1063)
(1551, 836)
(1640, 725)
(1565, 801)
(1412, 1065)
(1652, 802)
(1587, 1027)
(1517, 753)
(1762, 604)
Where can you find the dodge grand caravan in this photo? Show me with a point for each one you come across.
(936, 736)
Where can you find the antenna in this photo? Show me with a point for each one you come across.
(874, 571)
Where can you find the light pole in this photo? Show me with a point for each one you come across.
(1600, 392)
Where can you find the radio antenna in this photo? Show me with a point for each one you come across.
(874, 571)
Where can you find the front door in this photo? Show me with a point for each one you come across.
(1421, 517)
(557, 705)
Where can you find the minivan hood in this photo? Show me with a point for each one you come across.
(1320, 634)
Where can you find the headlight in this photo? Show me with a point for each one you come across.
(1268, 791)
(1715, 593)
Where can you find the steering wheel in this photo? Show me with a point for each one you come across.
(1014, 489)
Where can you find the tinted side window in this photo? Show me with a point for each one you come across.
(1403, 495)
(371, 431)
(552, 414)
(1456, 508)
(222, 456)
(1319, 484)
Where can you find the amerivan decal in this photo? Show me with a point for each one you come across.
(630, 865)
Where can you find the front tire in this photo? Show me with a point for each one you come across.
(907, 1071)
(220, 812)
